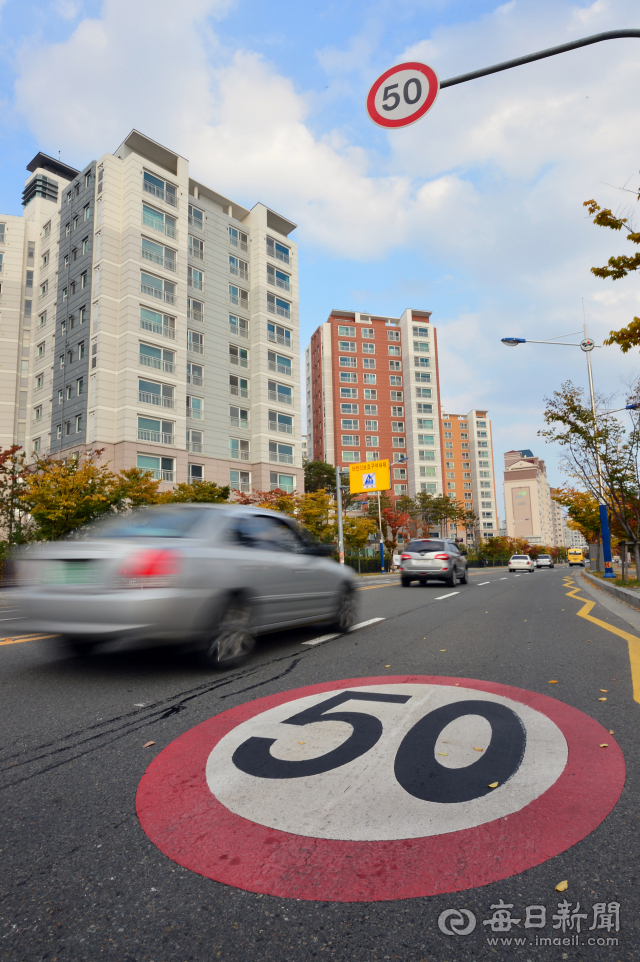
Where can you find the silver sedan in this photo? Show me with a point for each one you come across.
(212, 576)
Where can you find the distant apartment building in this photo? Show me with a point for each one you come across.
(468, 470)
(146, 314)
(373, 393)
(530, 512)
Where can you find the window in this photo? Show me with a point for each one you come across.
(45, 232)
(87, 180)
(425, 439)
(487, 514)
(238, 355)
(58, 432)
(421, 347)
(485, 484)
(150, 392)
(400, 474)
(81, 349)
(66, 260)
(86, 212)
(397, 426)
(368, 332)
(195, 343)
(285, 482)
(422, 361)
(347, 362)
(281, 335)
(196, 217)
(195, 374)
(276, 305)
(482, 434)
(43, 287)
(398, 412)
(347, 346)
(280, 422)
(371, 426)
(351, 440)
(464, 436)
(369, 378)
(348, 424)
(348, 392)
(82, 315)
(39, 381)
(280, 452)
(396, 395)
(149, 429)
(394, 350)
(481, 424)
(278, 278)
(154, 286)
(37, 413)
(69, 392)
(158, 221)
(447, 434)
(348, 409)
(158, 254)
(487, 504)
(239, 386)
(72, 287)
(463, 427)
(424, 392)
(160, 188)
(346, 376)
(448, 444)
(368, 362)
(78, 423)
(45, 261)
(346, 331)
(80, 386)
(468, 496)
(83, 279)
(395, 365)
(368, 349)
(466, 474)
(395, 380)
(451, 464)
(161, 468)
(280, 392)
(370, 394)
(397, 442)
(40, 349)
(196, 472)
(196, 248)
(67, 427)
(67, 229)
(36, 445)
(277, 250)
(400, 488)
(422, 376)
(238, 239)
(371, 409)
(157, 358)
(484, 474)
(370, 440)
(450, 474)
(238, 417)
(239, 297)
(279, 363)
(393, 335)
(372, 455)
(195, 279)
(60, 396)
(353, 456)
(157, 323)
(451, 485)
(195, 441)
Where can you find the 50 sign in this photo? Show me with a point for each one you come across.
(402, 95)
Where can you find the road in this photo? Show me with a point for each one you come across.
(82, 880)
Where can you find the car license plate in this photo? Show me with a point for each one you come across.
(71, 572)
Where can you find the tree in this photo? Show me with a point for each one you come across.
(137, 487)
(583, 510)
(319, 475)
(198, 492)
(426, 512)
(14, 519)
(356, 532)
(571, 424)
(395, 521)
(617, 268)
(315, 510)
(61, 495)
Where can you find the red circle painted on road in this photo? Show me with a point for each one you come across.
(425, 104)
(181, 815)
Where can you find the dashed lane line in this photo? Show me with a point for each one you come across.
(481, 583)
(450, 595)
(337, 634)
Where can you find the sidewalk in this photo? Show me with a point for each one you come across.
(613, 604)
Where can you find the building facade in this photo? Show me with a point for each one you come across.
(468, 471)
(373, 393)
(145, 314)
(530, 512)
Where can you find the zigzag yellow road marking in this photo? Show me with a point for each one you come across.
(632, 640)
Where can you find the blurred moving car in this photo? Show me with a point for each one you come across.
(212, 576)
(426, 558)
(521, 562)
(545, 561)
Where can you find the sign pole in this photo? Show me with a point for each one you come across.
(381, 539)
(339, 511)
(604, 511)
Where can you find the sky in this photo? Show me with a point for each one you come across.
(474, 213)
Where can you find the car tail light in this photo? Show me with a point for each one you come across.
(405, 557)
(441, 557)
(153, 565)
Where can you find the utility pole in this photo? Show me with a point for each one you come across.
(339, 511)
(602, 502)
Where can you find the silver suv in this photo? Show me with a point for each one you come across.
(428, 558)
(544, 561)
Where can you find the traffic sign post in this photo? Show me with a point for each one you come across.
(374, 476)
(369, 789)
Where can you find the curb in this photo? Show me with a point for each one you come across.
(631, 598)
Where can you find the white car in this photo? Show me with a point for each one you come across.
(544, 561)
(521, 562)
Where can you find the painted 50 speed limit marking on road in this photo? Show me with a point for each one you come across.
(380, 788)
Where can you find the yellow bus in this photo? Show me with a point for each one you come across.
(576, 557)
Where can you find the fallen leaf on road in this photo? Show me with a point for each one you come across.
(442, 753)
(147, 744)
(604, 745)
(443, 649)
(553, 681)
(602, 699)
(456, 684)
(493, 784)
(604, 689)
(387, 666)
(610, 732)
(477, 749)
(301, 743)
(562, 886)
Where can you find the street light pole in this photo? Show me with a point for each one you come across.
(339, 512)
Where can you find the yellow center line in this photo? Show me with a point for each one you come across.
(632, 640)
(371, 587)
(18, 641)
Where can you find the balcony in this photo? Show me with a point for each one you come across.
(195, 413)
(238, 455)
(195, 347)
(195, 222)
(277, 255)
(155, 436)
(161, 194)
(280, 398)
(239, 301)
(288, 488)
(240, 361)
(279, 339)
(195, 447)
(150, 291)
(159, 225)
(280, 311)
(195, 315)
(279, 368)
(196, 379)
(164, 329)
(168, 263)
(157, 363)
(239, 272)
(196, 252)
(241, 486)
(195, 283)
(146, 397)
(237, 330)
(238, 391)
(240, 244)
(281, 458)
(282, 428)
(278, 282)
(238, 422)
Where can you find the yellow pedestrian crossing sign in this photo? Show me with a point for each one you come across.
(369, 476)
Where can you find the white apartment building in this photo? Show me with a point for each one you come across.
(146, 314)
(530, 512)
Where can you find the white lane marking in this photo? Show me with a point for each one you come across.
(516, 576)
(322, 638)
(504, 579)
(450, 595)
(10, 619)
(481, 583)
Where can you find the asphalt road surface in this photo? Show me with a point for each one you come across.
(81, 879)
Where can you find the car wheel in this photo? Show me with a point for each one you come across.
(452, 580)
(405, 582)
(232, 641)
(347, 610)
(465, 578)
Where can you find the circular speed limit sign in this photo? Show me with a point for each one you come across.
(402, 95)
(380, 788)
